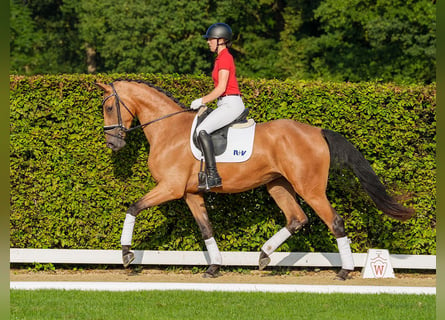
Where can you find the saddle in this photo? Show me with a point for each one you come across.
(219, 137)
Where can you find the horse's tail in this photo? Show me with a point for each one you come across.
(343, 152)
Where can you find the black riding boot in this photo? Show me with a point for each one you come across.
(213, 178)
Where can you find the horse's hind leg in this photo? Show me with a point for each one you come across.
(336, 225)
(199, 211)
(285, 197)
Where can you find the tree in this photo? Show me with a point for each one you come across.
(350, 40)
(136, 37)
(44, 37)
(296, 38)
(256, 26)
(360, 40)
(24, 39)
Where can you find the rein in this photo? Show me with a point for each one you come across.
(120, 125)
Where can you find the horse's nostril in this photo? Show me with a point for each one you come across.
(115, 145)
(111, 145)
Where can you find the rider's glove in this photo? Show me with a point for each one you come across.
(196, 104)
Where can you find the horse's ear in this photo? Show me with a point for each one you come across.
(104, 87)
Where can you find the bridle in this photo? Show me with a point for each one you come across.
(120, 125)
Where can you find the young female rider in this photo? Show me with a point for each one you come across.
(229, 104)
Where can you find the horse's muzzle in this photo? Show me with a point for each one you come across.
(115, 138)
(115, 144)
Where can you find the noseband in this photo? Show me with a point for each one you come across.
(120, 125)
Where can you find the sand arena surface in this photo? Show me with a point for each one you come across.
(140, 274)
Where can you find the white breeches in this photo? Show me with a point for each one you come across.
(229, 108)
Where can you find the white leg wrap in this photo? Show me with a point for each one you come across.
(345, 253)
(277, 239)
(127, 230)
(212, 248)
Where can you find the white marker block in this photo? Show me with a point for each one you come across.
(378, 264)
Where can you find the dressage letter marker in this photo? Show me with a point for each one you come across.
(378, 264)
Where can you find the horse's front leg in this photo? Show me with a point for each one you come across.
(199, 211)
(158, 195)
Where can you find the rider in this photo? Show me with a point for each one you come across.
(229, 104)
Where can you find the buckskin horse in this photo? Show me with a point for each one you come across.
(289, 157)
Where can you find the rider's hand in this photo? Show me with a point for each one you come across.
(196, 104)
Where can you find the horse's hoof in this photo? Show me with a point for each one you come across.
(343, 275)
(264, 260)
(127, 259)
(212, 271)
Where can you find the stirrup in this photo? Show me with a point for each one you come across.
(214, 180)
(206, 182)
(202, 181)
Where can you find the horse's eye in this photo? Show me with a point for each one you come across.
(109, 108)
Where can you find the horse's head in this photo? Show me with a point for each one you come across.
(117, 117)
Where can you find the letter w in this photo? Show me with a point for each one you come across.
(379, 269)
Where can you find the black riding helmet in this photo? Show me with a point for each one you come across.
(219, 31)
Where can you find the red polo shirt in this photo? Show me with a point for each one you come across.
(224, 60)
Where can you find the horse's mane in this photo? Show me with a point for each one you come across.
(151, 85)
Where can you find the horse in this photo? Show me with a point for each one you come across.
(291, 158)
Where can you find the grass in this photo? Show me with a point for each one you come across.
(196, 305)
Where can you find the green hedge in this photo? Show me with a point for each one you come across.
(69, 191)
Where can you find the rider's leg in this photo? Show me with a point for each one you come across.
(229, 108)
(213, 178)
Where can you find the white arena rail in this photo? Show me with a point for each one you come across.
(198, 258)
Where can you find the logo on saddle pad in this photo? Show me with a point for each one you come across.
(233, 143)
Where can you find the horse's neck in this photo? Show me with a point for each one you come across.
(173, 127)
(150, 105)
(154, 105)
(169, 130)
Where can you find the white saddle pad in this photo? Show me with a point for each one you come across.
(240, 139)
